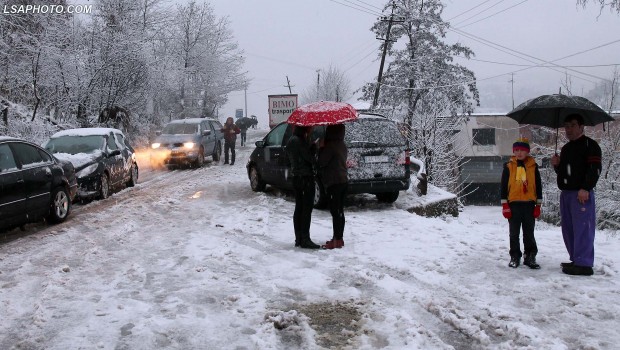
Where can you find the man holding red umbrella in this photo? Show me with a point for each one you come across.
(303, 165)
(578, 168)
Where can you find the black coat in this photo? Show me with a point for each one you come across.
(301, 157)
(580, 165)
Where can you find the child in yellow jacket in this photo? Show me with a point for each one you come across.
(521, 194)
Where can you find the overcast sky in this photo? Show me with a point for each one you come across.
(284, 38)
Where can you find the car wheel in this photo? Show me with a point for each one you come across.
(387, 197)
(201, 158)
(133, 176)
(320, 198)
(104, 189)
(255, 181)
(60, 206)
(217, 152)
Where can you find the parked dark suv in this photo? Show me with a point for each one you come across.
(378, 161)
(33, 184)
(188, 142)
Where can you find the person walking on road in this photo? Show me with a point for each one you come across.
(302, 162)
(230, 131)
(521, 196)
(578, 168)
(332, 164)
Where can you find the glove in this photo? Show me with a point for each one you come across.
(536, 211)
(506, 211)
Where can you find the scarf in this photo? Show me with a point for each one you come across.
(520, 175)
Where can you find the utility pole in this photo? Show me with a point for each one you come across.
(385, 46)
(318, 81)
(288, 84)
(512, 89)
(245, 96)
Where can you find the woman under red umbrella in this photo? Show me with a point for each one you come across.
(332, 165)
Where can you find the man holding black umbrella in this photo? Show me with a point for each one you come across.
(578, 168)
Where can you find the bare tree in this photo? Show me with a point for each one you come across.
(332, 85)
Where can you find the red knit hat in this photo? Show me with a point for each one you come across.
(521, 144)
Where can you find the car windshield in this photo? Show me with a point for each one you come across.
(75, 144)
(180, 129)
(372, 133)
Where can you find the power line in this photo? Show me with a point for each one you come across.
(374, 50)
(494, 14)
(486, 9)
(526, 56)
(371, 5)
(358, 9)
(471, 9)
(532, 66)
(360, 6)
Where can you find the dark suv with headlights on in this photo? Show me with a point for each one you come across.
(33, 184)
(378, 159)
(188, 142)
(103, 159)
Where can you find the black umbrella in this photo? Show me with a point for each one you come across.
(550, 111)
(244, 122)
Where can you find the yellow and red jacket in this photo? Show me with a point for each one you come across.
(521, 185)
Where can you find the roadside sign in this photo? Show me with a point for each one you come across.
(281, 107)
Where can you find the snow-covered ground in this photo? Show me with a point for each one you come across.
(193, 259)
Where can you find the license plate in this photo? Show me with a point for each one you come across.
(376, 159)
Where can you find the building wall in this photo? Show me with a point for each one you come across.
(506, 132)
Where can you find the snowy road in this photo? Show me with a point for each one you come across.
(193, 259)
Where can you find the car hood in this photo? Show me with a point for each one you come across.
(176, 138)
(80, 160)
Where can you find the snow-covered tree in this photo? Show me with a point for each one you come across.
(614, 5)
(420, 74)
(207, 62)
(332, 85)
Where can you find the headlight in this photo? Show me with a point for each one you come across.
(87, 171)
(155, 145)
(188, 145)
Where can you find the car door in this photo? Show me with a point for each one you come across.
(37, 175)
(114, 162)
(274, 156)
(12, 189)
(208, 141)
(126, 153)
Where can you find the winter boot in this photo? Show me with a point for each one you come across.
(307, 243)
(567, 264)
(515, 261)
(297, 239)
(530, 260)
(578, 270)
(334, 243)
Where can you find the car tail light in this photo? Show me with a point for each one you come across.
(351, 163)
(404, 158)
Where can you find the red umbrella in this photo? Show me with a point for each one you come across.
(322, 113)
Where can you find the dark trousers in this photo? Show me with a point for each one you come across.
(229, 146)
(522, 216)
(335, 196)
(304, 201)
(578, 227)
(243, 138)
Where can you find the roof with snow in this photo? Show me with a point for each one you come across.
(86, 132)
